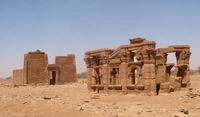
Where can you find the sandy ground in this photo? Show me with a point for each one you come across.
(73, 100)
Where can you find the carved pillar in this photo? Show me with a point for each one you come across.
(89, 77)
(188, 76)
(123, 75)
(123, 69)
(105, 71)
(187, 62)
(161, 68)
(139, 58)
(183, 68)
(149, 73)
(106, 74)
(89, 73)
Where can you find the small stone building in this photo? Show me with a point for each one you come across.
(137, 67)
(37, 70)
(18, 76)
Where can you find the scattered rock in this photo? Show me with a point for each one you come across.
(149, 110)
(185, 111)
(182, 110)
(94, 95)
(79, 108)
(47, 98)
(193, 93)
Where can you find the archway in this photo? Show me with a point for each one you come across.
(97, 76)
(133, 74)
(114, 76)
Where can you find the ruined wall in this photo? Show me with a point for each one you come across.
(35, 67)
(153, 71)
(18, 76)
(67, 67)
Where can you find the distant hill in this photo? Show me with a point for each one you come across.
(8, 78)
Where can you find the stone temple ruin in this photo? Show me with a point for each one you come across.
(137, 67)
(37, 70)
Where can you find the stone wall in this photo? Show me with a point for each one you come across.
(18, 77)
(67, 65)
(35, 67)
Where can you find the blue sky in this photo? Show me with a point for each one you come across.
(61, 27)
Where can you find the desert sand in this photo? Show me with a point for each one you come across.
(73, 100)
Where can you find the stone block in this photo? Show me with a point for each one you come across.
(94, 95)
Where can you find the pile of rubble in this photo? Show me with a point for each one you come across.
(193, 93)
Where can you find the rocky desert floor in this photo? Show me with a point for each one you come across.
(73, 100)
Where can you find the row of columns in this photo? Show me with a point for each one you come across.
(148, 78)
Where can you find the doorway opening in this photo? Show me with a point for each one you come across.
(157, 88)
(114, 76)
(97, 76)
(53, 79)
(133, 75)
(171, 59)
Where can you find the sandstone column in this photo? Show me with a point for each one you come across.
(183, 58)
(188, 76)
(123, 76)
(89, 72)
(187, 61)
(123, 69)
(153, 79)
(149, 72)
(89, 77)
(139, 58)
(106, 75)
(105, 69)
